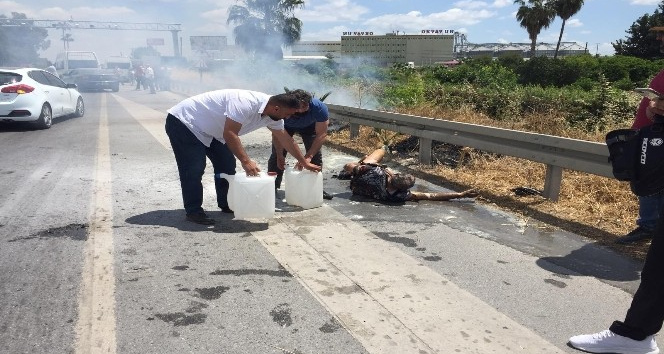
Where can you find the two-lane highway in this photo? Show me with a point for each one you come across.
(96, 257)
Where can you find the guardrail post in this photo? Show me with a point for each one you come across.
(425, 151)
(554, 177)
(354, 130)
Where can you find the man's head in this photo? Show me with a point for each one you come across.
(659, 34)
(284, 105)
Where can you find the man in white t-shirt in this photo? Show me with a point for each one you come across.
(210, 124)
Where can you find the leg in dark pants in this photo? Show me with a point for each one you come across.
(646, 314)
(223, 161)
(190, 157)
(272, 163)
(308, 135)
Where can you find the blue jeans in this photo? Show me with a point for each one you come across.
(649, 210)
(190, 156)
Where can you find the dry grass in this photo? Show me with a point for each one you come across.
(596, 207)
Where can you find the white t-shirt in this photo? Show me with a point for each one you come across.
(205, 114)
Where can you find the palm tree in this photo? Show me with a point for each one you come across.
(263, 26)
(534, 18)
(66, 38)
(565, 9)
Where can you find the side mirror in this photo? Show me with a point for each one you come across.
(70, 85)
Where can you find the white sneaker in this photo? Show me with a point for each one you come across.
(609, 342)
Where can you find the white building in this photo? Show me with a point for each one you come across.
(426, 48)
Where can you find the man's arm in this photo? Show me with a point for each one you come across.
(279, 152)
(287, 142)
(321, 136)
(232, 138)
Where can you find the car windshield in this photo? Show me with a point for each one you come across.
(9, 78)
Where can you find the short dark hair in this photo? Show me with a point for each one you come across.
(292, 99)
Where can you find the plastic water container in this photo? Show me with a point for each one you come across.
(250, 197)
(303, 188)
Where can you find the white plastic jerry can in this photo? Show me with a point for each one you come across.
(250, 197)
(303, 188)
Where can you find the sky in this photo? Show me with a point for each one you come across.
(597, 25)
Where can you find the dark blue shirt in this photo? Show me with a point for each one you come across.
(317, 113)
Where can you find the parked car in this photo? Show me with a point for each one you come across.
(93, 79)
(35, 95)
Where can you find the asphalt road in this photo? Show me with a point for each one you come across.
(96, 257)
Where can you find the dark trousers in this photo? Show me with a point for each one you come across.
(646, 313)
(308, 135)
(190, 156)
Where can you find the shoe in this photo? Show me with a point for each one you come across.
(609, 342)
(226, 209)
(638, 234)
(200, 218)
(327, 196)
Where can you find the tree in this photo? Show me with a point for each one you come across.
(263, 26)
(565, 9)
(20, 41)
(534, 18)
(66, 38)
(641, 42)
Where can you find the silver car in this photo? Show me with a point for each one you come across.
(35, 95)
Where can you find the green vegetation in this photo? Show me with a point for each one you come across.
(20, 43)
(591, 93)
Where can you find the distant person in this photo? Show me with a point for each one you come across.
(311, 125)
(210, 124)
(645, 316)
(139, 75)
(149, 78)
(369, 179)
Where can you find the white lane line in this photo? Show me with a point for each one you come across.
(389, 301)
(95, 330)
(152, 120)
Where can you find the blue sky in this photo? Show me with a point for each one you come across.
(599, 22)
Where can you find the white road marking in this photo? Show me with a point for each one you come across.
(386, 299)
(151, 119)
(95, 330)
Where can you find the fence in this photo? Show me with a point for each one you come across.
(556, 152)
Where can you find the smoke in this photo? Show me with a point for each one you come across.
(347, 84)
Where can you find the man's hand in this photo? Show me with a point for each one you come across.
(251, 168)
(281, 161)
(298, 165)
(311, 167)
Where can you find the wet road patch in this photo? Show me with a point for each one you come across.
(76, 232)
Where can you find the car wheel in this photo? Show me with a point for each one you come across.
(45, 118)
(80, 108)
(116, 88)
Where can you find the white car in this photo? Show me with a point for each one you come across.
(35, 95)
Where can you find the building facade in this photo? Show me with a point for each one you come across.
(426, 48)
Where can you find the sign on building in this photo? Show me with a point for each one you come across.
(437, 31)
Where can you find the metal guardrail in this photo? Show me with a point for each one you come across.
(556, 152)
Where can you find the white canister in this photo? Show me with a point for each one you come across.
(250, 197)
(303, 188)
